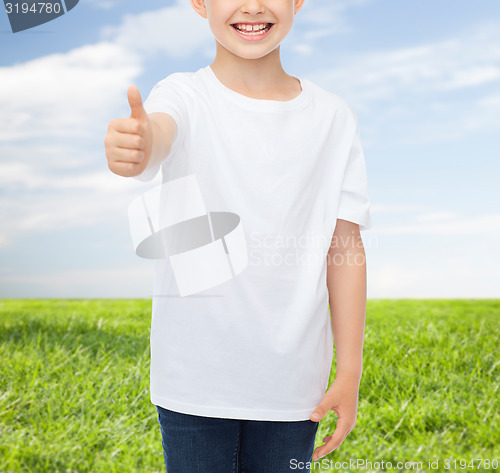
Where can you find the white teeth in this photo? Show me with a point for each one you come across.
(244, 27)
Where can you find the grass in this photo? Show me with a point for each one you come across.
(74, 387)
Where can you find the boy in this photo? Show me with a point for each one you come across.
(239, 371)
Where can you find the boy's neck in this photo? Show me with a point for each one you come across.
(262, 78)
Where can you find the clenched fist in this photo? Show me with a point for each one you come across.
(129, 141)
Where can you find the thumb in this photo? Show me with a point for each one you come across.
(135, 102)
(320, 411)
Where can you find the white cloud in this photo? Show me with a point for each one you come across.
(73, 201)
(470, 60)
(65, 95)
(178, 31)
(449, 278)
(394, 208)
(102, 4)
(474, 76)
(436, 216)
(484, 114)
(33, 214)
(38, 178)
(481, 224)
(328, 15)
(427, 93)
(304, 49)
(320, 18)
(129, 282)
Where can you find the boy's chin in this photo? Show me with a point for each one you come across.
(245, 53)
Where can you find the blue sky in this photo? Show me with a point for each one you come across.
(423, 77)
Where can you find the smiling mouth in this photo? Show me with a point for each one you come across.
(249, 29)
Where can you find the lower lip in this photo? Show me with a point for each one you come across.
(252, 37)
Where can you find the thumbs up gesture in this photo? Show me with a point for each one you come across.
(129, 141)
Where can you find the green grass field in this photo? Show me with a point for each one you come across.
(74, 387)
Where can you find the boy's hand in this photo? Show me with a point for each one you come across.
(341, 397)
(129, 141)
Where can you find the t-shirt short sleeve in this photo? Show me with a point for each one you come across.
(166, 97)
(354, 203)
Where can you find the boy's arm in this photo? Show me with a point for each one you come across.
(164, 134)
(346, 281)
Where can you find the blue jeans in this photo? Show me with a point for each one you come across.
(196, 444)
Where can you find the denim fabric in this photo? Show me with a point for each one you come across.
(196, 444)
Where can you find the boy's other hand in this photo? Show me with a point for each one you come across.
(129, 141)
(342, 398)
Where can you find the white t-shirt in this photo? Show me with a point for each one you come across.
(259, 345)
